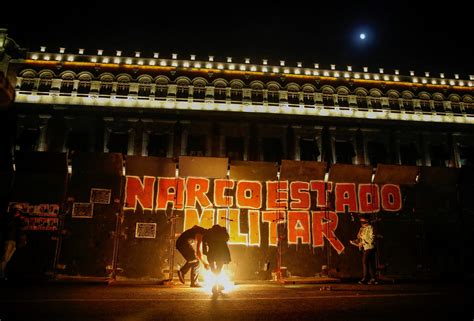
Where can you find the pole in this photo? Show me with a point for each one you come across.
(326, 218)
(118, 228)
(374, 226)
(172, 219)
(119, 218)
(171, 247)
(279, 237)
(65, 210)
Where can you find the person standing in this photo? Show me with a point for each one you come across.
(216, 249)
(184, 244)
(13, 236)
(366, 243)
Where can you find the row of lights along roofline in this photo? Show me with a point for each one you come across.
(245, 67)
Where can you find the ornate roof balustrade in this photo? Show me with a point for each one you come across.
(137, 82)
(234, 95)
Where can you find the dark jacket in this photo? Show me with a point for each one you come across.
(189, 235)
(215, 245)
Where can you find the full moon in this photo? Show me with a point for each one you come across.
(362, 36)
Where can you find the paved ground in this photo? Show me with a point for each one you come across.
(250, 301)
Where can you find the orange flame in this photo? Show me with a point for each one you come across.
(221, 281)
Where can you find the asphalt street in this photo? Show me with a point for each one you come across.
(257, 301)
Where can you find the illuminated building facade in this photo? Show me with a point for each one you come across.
(140, 104)
(146, 104)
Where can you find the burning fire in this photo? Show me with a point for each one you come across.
(222, 280)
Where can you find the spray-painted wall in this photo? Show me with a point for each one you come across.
(300, 222)
(39, 185)
(300, 215)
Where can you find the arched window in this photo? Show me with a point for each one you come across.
(45, 85)
(293, 98)
(328, 97)
(144, 87)
(342, 99)
(161, 89)
(456, 104)
(375, 101)
(199, 92)
(105, 88)
(438, 104)
(106, 85)
(220, 91)
(27, 84)
(257, 93)
(456, 107)
(407, 102)
(425, 103)
(236, 92)
(393, 102)
(66, 86)
(468, 105)
(273, 94)
(362, 101)
(182, 92)
(308, 96)
(84, 86)
(67, 83)
(123, 86)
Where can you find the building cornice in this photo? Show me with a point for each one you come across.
(247, 69)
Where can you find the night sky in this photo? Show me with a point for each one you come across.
(417, 35)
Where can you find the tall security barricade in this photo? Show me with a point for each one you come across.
(351, 194)
(466, 205)
(255, 232)
(438, 208)
(39, 187)
(144, 243)
(95, 192)
(398, 230)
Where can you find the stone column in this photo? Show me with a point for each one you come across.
(107, 131)
(131, 141)
(184, 142)
(134, 136)
(145, 140)
(169, 152)
(43, 127)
